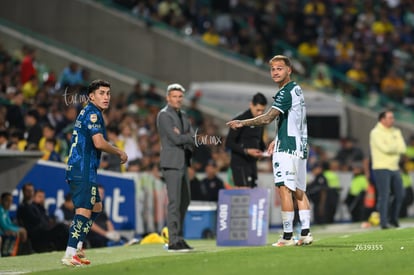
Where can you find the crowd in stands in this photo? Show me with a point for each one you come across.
(360, 48)
(368, 41)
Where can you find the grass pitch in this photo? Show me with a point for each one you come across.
(337, 249)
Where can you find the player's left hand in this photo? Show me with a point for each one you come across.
(234, 124)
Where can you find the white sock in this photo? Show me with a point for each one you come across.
(287, 219)
(70, 251)
(80, 245)
(304, 216)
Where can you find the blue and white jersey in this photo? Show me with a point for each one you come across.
(84, 158)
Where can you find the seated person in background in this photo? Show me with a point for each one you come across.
(7, 227)
(317, 191)
(349, 154)
(102, 230)
(356, 194)
(211, 183)
(195, 185)
(66, 211)
(44, 235)
(50, 152)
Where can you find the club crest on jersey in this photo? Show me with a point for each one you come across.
(93, 118)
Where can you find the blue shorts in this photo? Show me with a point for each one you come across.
(84, 194)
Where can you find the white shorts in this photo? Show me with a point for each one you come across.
(289, 170)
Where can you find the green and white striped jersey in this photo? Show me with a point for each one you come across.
(292, 135)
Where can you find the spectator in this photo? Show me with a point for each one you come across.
(43, 235)
(348, 154)
(194, 113)
(27, 67)
(50, 152)
(65, 213)
(15, 112)
(102, 230)
(48, 132)
(152, 97)
(68, 117)
(71, 76)
(334, 188)
(356, 194)
(136, 92)
(393, 85)
(109, 161)
(129, 138)
(211, 36)
(197, 189)
(4, 139)
(7, 227)
(318, 193)
(212, 184)
(34, 130)
(408, 191)
(30, 89)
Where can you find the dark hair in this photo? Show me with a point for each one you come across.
(33, 113)
(4, 133)
(383, 114)
(52, 140)
(26, 185)
(5, 194)
(96, 84)
(259, 98)
(113, 128)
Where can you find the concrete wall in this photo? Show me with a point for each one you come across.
(122, 40)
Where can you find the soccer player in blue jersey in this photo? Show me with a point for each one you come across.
(289, 148)
(88, 141)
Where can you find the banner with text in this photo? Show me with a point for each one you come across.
(119, 201)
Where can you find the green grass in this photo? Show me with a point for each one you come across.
(338, 249)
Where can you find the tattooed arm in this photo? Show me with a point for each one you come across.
(264, 119)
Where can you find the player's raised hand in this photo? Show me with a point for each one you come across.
(234, 124)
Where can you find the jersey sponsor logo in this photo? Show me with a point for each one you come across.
(97, 126)
(93, 118)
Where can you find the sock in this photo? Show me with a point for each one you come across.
(70, 251)
(304, 216)
(75, 233)
(86, 228)
(287, 219)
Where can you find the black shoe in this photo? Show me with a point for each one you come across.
(185, 244)
(177, 247)
(395, 223)
(385, 227)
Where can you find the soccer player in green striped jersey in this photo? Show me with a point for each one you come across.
(289, 149)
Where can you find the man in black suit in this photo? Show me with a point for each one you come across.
(247, 145)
